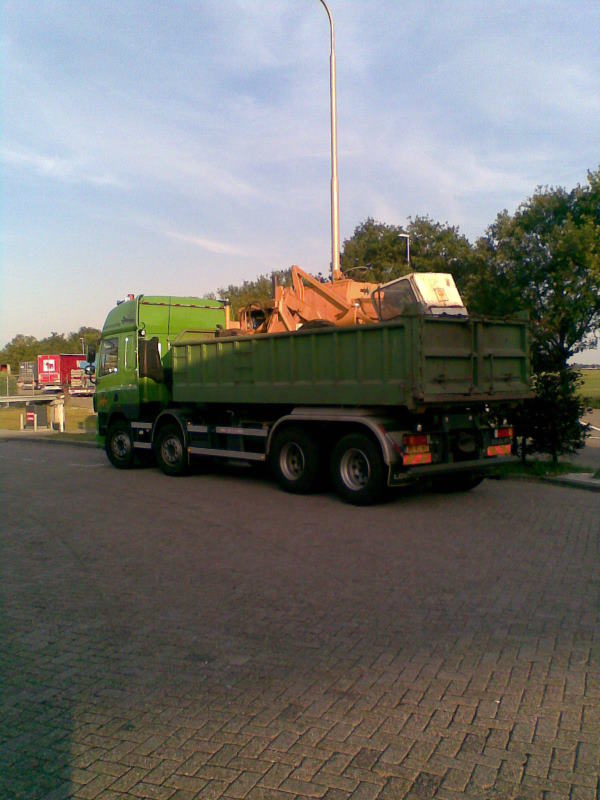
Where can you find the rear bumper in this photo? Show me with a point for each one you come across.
(399, 476)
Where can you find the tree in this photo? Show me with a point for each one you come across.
(440, 247)
(545, 259)
(259, 290)
(27, 348)
(551, 419)
(377, 251)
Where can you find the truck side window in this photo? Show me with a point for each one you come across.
(109, 357)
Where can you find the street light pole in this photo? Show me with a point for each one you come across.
(336, 272)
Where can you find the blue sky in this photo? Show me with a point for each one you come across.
(164, 147)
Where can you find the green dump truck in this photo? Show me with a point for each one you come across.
(424, 394)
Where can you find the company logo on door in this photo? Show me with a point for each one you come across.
(48, 365)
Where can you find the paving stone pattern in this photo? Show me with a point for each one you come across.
(211, 637)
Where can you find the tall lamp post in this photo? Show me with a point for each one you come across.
(336, 272)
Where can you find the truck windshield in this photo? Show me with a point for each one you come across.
(109, 356)
(393, 300)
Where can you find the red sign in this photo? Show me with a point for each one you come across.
(30, 416)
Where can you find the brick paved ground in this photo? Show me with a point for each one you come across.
(214, 638)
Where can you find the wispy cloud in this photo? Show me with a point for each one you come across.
(209, 245)
(68, 170)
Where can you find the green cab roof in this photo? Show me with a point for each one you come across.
(164, 314)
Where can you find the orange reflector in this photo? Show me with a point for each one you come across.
(499, 450)
(418, 458)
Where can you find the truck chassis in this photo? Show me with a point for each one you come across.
(360, 451)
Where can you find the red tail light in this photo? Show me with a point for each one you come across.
(503, 433)
(415, 440)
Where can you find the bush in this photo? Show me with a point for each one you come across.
(551, 419)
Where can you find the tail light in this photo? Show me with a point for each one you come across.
(415, 449)
(502, 442)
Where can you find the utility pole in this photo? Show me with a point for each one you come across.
(336, 272)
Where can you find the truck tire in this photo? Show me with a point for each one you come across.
(358, 470)
(296, 461)
(119, 445)
(457, 483)
(170, 451)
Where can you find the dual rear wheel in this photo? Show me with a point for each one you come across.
(299, 464)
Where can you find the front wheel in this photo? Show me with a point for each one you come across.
(295, 460)
(358, 470)
(119, 445)
(170, 451)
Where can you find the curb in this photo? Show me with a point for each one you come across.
(581, 480)
(46, 438)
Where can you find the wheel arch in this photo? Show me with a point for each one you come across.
(115, 416)
(337, 426)
(168, 417)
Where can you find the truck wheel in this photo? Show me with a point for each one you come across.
(456, 483)
(170, 451)
(358, 470)
(119, 445)
(296, 461)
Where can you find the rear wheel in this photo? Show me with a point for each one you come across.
(457, 483)
(119, 445)
(295, 460)
(358, 470)
(170, 451)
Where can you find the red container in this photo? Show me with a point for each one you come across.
(54, 371)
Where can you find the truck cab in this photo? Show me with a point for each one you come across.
(135, 350)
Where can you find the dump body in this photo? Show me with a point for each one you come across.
(410, 362)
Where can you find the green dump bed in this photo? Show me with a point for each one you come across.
(412, 361)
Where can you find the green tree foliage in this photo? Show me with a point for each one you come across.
(27, 348)
(439, 247)
(551, 420)
(377, 251)
(256, 291)
(545, 259)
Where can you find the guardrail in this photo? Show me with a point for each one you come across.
(30, 398)
(53, 407)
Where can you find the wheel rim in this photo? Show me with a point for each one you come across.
(355, 469)
(291, 461)
(171, 450)
(121, 445)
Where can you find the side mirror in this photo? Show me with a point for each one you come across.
(91, 354)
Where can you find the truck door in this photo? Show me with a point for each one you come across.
(128, 389)
(117, 385)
